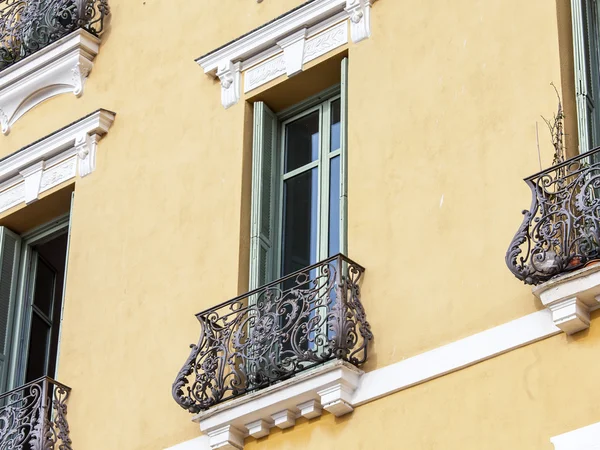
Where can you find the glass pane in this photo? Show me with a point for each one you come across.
(302, 141)
(335, 126)
(300, 221)
(334, 206)
(44, 287)
(38, 344)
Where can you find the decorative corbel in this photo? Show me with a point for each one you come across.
(293, 51)
(4, 125)
(80, 72)
(229, 74)
(85, 146)
(359, 12)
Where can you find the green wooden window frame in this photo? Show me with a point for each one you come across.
(586, 50)
(268, 177)
(18, 266)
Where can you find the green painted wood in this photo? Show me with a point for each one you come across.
(262, 232)
(10, 247)
(344, 158)
(586, 45)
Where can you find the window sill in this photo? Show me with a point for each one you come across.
(59, 68)
(328, 387)
(571, 297)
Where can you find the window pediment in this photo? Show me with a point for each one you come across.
(285, 45)
(52, 160)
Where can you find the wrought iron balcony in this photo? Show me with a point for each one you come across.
(274, 332)
(561, 230)
(27, 26)
(34, 416)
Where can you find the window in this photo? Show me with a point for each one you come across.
(32, 274)
(586, 43)
(299, 184)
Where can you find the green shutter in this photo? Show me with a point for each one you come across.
(10, 245)
(585, 49)
(263, 196)
(344, 158)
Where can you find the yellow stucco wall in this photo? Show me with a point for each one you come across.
(444, 98)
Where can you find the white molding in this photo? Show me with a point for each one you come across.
(52, 160)
(59, 68)
(586, 438)
(571, 297)
(454, 356)
(340, 387)
(283, 46)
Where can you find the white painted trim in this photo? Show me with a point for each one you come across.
(455, 356)
(52, 160)
(586, 438)
(199, 443)
(338, 387)
(283, 46)
(61, 67)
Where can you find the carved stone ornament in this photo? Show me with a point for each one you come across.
(359, 12)
(61, 67)
(285, 45)
(229, 75)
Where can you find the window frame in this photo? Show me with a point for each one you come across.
(321, 102)
(23, 306)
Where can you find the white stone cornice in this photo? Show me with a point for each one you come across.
(52, 160)
(283, 46)
(61, 67)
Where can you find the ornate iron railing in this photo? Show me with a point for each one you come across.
(274, 332)
(561, 230)
(34, 416)
(27, 26)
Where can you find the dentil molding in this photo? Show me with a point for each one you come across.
(571, 297)
(52, 160)
(61, 67)
(329, 387)
(283, 46)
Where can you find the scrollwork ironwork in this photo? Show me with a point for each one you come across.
(274, 332)
(561, 230)
(34, 416)
(27, 26)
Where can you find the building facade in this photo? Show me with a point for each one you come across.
(324, 198)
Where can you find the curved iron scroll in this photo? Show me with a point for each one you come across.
(274, 332)
(561, 230)
(27, 26)
(34, 416)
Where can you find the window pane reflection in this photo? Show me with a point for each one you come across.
(300, 221)
(335, 126)
(302, 141)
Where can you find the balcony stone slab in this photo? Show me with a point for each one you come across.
(571, 297)
(329, 386)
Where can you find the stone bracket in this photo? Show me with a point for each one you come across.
(571, 297)
(359, 12)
